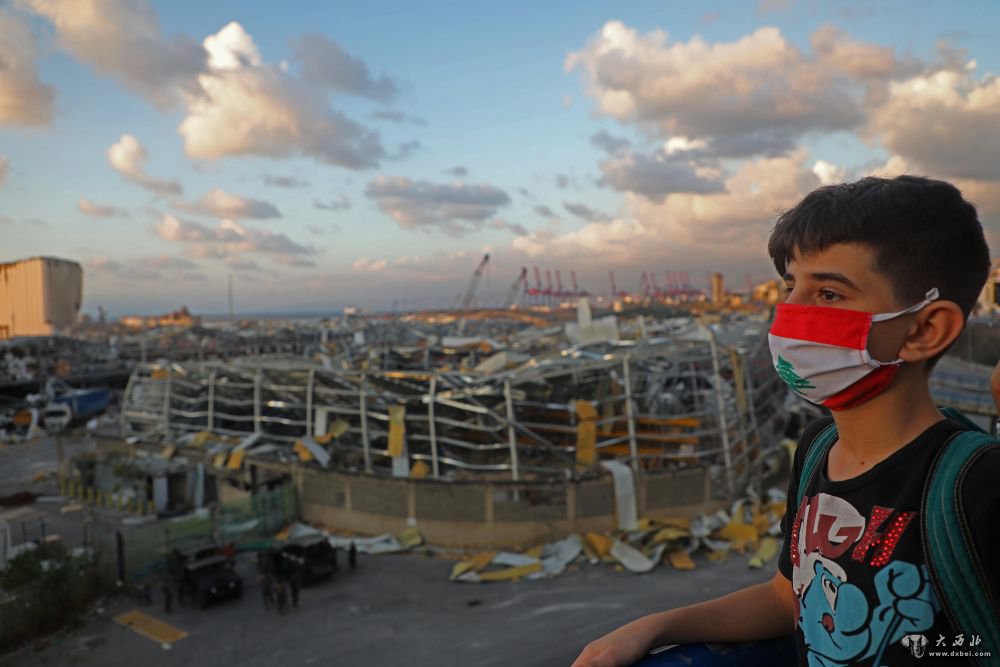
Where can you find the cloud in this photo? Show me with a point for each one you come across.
(285, 181)
(457, 171)
(224, 205)
(24, 99)
(608, 143)
(228, 239)
(4, 168)
(545, 211)
(368, 265)
(655, 176)
(325, 63)
(513, 227)
(773, 6)
(247, 107)
(128, 157)
(395, 116)
(943, 123)
(585, 212)
(829, 173)
(562, 181)
(146, 269)
(122, 39)
(341, 203)
(757, 95)
(456, 207)
(93, 210)
(688, 229)
(242, 264)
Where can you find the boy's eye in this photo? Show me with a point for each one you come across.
(828, 296)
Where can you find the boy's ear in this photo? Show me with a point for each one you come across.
(935, 328)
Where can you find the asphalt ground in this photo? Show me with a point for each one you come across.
(392, 610)
(396, 610)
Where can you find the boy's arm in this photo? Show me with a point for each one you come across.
(757, 612)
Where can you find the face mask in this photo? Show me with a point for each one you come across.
(822, 353)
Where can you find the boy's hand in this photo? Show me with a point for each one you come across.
(620, 648)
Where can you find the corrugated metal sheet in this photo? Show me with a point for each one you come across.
(39, 296)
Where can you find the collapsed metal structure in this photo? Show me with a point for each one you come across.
(703, 399)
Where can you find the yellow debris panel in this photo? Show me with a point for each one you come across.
(670, 533)
(767, 550)
(739, 534)
(510, 573)
(168, 452)
(676, 522)
(235, 460)
(420, 470)
(302, 451)
(680, 560)
(337, 429)
(586, 443)
(159, 374)
(150, 627)
(201, 438)
(474, 564)
(220, 460)
(397, 429)
(411, 537)
(601, 544)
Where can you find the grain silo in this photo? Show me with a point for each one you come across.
(39, 296)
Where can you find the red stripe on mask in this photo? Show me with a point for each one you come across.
(821, 324)
(863, 390)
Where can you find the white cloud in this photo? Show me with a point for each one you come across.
(228, 240)
(368, 265)
(279, 181)
(454, 207)
(246, 107)
(225, 205)
(146, 269)
(656, 176)
(341, 203)
(688, 228)
(756, 95)
(828, 173)
(93, 210)
(944, 123)
(128, 157)
(585, 212)
(122, 39)
(24, 99)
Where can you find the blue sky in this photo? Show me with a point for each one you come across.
(377, 158)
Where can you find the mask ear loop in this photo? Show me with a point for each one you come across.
(932, 295)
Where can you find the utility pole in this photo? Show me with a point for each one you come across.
(230, 298)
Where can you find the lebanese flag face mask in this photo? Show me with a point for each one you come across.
(822, 353)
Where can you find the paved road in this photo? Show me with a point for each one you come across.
(401, 610)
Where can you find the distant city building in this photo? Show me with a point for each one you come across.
(989, 298)
(718, 289)
(181, 318)
(39, 296)
(769, 292)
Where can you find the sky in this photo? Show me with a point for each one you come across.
(370, 153)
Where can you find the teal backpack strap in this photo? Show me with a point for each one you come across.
(949, 550)
(815, 452)
(957, 417)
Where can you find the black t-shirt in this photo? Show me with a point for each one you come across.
(853, 552)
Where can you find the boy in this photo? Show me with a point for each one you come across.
(852, 584)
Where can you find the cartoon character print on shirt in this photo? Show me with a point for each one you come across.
(839, 624)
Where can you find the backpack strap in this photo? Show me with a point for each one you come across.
(949, 550)
(815, 453)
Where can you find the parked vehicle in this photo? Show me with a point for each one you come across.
(210, 579)
(312, 556)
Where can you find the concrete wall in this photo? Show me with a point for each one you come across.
(489, 514)
(465, 514)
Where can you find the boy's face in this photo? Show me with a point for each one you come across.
(844, 276)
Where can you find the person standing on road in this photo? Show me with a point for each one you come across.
(168, 595)
(282, 596)
(295, 581)
(266, 594)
